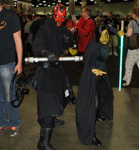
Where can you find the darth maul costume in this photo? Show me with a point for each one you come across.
(53, 87)
(95, 95)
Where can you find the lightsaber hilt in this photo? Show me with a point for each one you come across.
(44, 59)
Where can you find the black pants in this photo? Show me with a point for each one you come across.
(47, 122)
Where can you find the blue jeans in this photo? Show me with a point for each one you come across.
(6, 75)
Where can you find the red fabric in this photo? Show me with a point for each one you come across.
(85, 32)
(71, 25)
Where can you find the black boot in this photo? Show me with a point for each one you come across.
(44, 142)
(58, 122)
(96, 142)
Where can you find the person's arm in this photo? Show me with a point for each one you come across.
(40, 41)
(130, 29)
(115, 31)
(19, 50)
(89, 26)
(129, 32)
(34, 27)
(118, 26)
(26, 28)
(80, 22)
(67, 38)
(94, 55)
(74, 24)
(112, 29)
(92, 63)
(40, 48)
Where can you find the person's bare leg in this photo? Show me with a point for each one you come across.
(115, 52)
(110, 51)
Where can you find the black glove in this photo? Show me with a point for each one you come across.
(52, 58)
(67, 40)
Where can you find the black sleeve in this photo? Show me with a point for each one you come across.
(112, 29)
(40, 41)
(15, 23)
(94, 55)
(67, 38)
(34, 27)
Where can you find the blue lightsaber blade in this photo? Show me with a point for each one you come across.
(121, 55)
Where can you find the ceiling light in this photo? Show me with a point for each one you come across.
(44, 1)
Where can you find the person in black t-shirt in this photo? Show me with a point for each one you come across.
(113, 42)
(10, 44)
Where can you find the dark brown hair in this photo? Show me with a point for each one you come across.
(110, 12)
(136, 11)
(29, 16)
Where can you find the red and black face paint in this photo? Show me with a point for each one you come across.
(59, 14)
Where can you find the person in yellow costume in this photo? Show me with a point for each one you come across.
(95, 96)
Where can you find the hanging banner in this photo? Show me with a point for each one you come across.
(24, 8)
(8, 4)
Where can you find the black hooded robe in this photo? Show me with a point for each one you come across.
(95, 56)
(51, 81)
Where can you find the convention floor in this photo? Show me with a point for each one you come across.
(120, 134)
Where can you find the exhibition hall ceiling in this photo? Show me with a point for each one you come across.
(50, 3)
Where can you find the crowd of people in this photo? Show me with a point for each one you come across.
(48, 38)
(78, 21)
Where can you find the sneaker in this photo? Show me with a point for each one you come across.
(14, 131)
(2, 130)
(110, 53)
(124, 85)
(115, 53)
